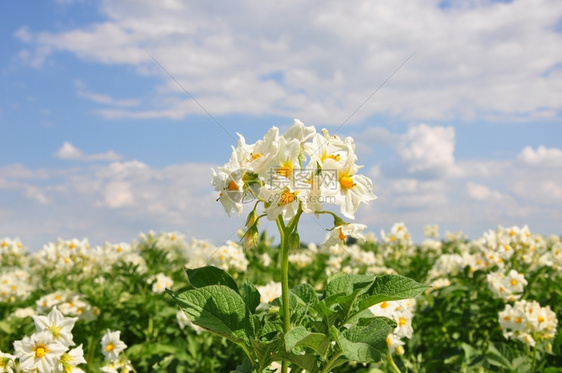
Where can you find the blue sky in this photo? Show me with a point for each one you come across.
(98, 141)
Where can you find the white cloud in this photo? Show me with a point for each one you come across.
(69, 151)
(36, 194)
(319, 61)
(425, 148)
(542, 157)
(480, 192)
(103, 99)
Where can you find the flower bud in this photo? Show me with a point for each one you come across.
(294, 241)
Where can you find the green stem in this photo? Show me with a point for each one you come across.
(284, 280)
(393, 364)
(127, 360)
(534, 366)
(329, 364)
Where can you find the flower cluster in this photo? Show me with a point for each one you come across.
(160, 282)
(300, 169)
(401, 312)
(11, 252)
(508, 287)
(47, 350)
(15, 283)
(268, 293)
(69, 303)
(528, 322)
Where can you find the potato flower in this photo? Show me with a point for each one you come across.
(298, 170)
(111, 345)
(7, 362)
(39, 352)
(59, 326)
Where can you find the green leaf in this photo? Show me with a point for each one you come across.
(347, 284)
(366, 343)
(245, 367)
(307, 293)
(219, 309)
(251, 296)
(500, 356)
(264, 352)
(307, 362)
(205, 276)
(391, 287)
(272, 328)
(300, 336)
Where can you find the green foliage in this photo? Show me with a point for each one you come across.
(325, 328)
(456, 328)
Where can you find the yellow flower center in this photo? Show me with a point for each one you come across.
(109, 347)
(507, 318)
(540, 319)
(335, 157)
(402, 321)
(384, 304)
(119, 249)
(255, 156)
(72, 245)
(40, 351)
(287, 198)
(232, 185)
(391, 238)
(518, 320)
(55, 330)
(513, 282)
(341, 235)
(4, 244)
(346, 182)
(284, 171)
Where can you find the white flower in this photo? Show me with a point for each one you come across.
(40, 351)
(6, 363)
(59, 326)
(230, 256)
(120, 365)
(269, 292)
(69, 361)
(162, 283)
(431, 231)
(183, 321)
(111, 345)
(22, 313)
(440, 283)
(299, 131)
(350, 189)
(340, 233)
(382, 309)
(395, 344)
(300, 260)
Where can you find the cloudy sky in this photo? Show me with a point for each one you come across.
(114, 112)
